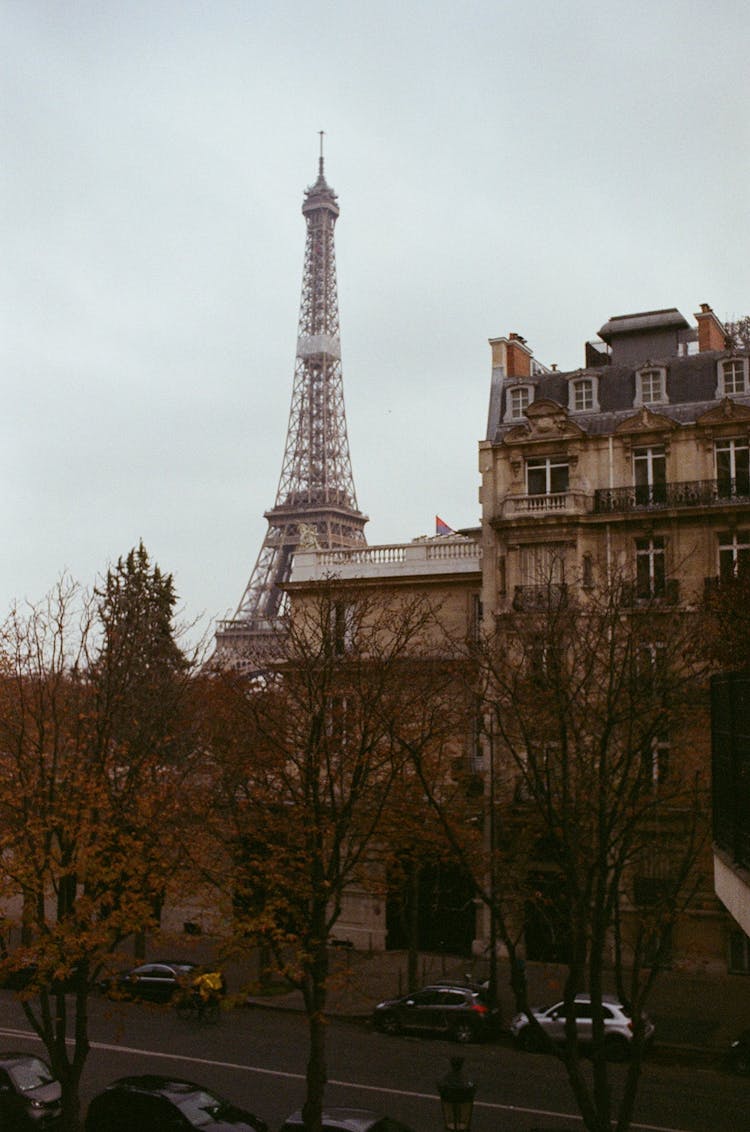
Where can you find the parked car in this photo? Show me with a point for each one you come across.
(618, 1026)
(155, 982)
(21, 972)
(30, 1096)
(165, 1104)
(738, 1057)
(348, 1120)
(461, 1012)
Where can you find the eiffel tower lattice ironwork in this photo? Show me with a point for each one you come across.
(315, 500)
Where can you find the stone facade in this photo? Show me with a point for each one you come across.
(636, 463)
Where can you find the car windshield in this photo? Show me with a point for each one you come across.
(30, 1074)
(201, 1108)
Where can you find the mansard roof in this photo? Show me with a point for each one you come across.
(691, 383)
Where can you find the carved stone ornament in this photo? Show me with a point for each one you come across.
(727, 410)
(646, 420)
(546, 421)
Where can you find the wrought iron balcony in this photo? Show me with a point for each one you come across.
(666, 594)
(652, 497)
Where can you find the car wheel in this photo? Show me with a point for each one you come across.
(741, 1062)
(528, 1041)
(616, 1049)
(463, 1032)
(389, 1024)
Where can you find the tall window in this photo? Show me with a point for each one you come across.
(650, 567)
(733, 376)
(341, 629)
(655, 764)
(547, 475)
(733, 467)
(543, 564)
(650, 476)
(734, 553)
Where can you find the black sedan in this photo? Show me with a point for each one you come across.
(30, 1097)
(459, 1012)
(154, 1104)
(155, 982)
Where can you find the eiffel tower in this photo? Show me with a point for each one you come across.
(315, 500)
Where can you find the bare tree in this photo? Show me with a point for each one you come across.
(588, 698)
(305, 764)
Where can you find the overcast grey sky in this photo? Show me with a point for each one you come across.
(535, 166)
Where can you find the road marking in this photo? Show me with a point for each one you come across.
(494, 1105)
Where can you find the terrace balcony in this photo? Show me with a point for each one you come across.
(444, 555)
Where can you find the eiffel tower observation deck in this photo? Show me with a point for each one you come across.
(316, 504)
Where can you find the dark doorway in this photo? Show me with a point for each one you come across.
(436, 905)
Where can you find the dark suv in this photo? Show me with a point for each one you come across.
(459, 1012)
(165, 1104)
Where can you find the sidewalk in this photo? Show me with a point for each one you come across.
(698, 1011)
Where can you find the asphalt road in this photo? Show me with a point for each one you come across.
(256, 1057)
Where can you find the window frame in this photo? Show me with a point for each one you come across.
(576, 385)
(656, 762)
(733, 445)
(737, 544)
(548, 464)
(651, 549)
(519, 388)
(652, 489)
(735, 363)
(649, 373)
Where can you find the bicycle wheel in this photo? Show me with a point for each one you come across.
(186, 1008)
(211, 1012)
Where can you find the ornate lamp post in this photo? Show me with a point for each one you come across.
(457, 1098)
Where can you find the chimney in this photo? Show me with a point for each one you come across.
(517, 357)
(712, 334)
(512, 355)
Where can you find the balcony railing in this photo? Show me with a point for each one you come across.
(552, 503)
(691, 493)
(668, 593)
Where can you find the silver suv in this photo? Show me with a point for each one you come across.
(618, 1026)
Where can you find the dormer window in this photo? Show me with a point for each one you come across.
(517, 400)
(651, 386)
(582, 395)
(733, 377)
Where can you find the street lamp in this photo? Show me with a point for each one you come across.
(457, 1098)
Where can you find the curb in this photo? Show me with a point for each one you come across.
(688, 1048)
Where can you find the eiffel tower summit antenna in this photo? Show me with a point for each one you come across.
(315, 496)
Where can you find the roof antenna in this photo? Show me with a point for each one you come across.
(320, 160)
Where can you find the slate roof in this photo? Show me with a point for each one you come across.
(691, 389)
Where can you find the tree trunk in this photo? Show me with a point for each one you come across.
(314, 991)
(412, 927)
